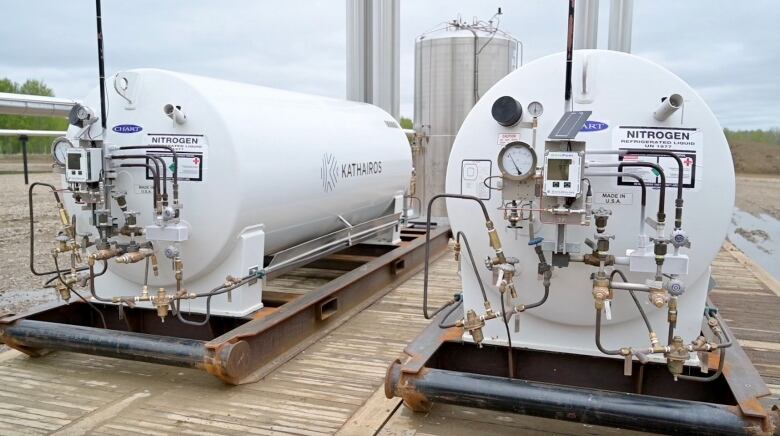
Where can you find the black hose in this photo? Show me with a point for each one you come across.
(452, 310)
(510, 357)
(679, 200)
(216, 291)
(155, 182)
(662, 194)
(459, 236)
(160, 147)
(540, 302)
(32, 228)
(92, 306)
(636, 300)
(598, 337)
(428, 242)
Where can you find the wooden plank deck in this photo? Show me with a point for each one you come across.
(333, 386)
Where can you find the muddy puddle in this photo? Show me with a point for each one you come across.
(758, 236)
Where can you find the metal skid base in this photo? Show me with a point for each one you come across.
(234, 349)
(439, 367)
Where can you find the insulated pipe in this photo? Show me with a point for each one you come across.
(34, 105)
(668, 106)
(582, 405)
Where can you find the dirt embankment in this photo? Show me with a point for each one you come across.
(757, 194)
(756, 157)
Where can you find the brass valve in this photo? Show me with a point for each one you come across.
(473, 325)
(64, 292)
(658, 296)
(135, 256)
(104, 254)
(456, 249)
(601, 291)
(676, 357)
(162, 303)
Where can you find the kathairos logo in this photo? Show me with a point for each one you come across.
(331, 171)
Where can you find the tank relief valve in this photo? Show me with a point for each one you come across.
(162, 302)
(658, 295)
(677, 356)
(473, 324)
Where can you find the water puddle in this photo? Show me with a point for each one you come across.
(758, 237)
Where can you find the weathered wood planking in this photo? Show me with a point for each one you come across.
(315, 393)
(336, 384)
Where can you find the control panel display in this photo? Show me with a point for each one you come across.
(562, 173)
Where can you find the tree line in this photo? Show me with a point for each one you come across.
(11, 144)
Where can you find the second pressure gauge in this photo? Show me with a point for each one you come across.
(535, 109)
(517, 161)
(59, 150)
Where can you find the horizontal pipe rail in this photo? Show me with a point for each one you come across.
(587, 406)
(164, 350)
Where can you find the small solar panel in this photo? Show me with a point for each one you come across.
(569, 125)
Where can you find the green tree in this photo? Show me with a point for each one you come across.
(10, 144)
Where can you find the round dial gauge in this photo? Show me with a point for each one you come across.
(517, 161)
(535, 109)
(59, 150)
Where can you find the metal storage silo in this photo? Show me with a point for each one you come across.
(454, 65)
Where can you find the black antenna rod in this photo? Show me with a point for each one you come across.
(569, 49)
(101, 67)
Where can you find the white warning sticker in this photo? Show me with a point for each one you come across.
(191, 154)
(614, 198)
(473, 174)
(642, 142)
(506, 138)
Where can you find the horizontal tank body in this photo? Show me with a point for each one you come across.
(454, 67)
(623, 92)
(286, 166)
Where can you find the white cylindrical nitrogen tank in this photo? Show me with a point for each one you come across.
(454, 67)
(623, 92)
(251, 159)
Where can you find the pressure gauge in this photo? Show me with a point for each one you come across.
(517, 161)
(535, 109)
(59, 150)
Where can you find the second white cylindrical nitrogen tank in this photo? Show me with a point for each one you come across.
(298, 165)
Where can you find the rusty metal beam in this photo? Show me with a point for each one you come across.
(439, 367)
(274, 339)
(236, 350)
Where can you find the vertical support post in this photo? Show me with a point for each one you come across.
(586, 24)
(23, 139)
(621, 15)
(373, 53)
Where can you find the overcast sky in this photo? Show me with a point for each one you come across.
(729, 51)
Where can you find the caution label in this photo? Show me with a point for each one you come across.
(686, 143)
(191, 153)
(473, 174)
(506, 138)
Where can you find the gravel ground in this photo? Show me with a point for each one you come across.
(19, 288)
